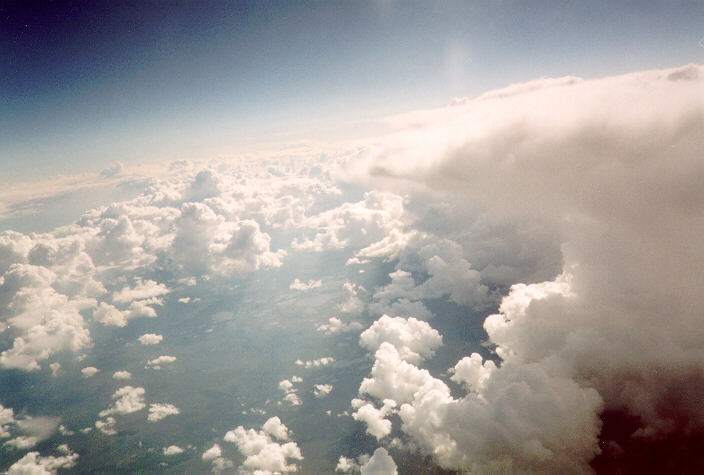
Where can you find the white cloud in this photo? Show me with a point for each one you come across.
(380, 463)
(141, 291)
(322, 390)
(161, 360)
(107, 426)
(172, 450)
(159, 411)
(212, 453)
(89, 371)
(121, 375)
(414, 340)
(150, 339)
(374, 224)
(611, 166)
(262, 452)
(291, 393)
(377, 424)
(34, 464)
(55, 368)
(324, 361)
(127, 400)
(305, 286)
(337, 326)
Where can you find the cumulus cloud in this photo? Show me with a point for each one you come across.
(324, 361)
(156, 363)
(172, 450)
(612, 166)
(322, 390)
(380, 463)
(33, 463)
(374, 226)
(304, 286)
(89, 371)
(159, 411)
(150, 339)
(291, 392)
(212, 453)
(121, 375)
(336, 326)
(414, 340)
(377, 424)
(107, 426)
(262, 451)
(127, 400)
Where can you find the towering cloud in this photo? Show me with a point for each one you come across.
(614, 165)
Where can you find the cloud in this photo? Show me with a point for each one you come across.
(150, 339)
(113, 170)
(89, 371)
(322, 390)
(121, 375)
(414, 340)
(613, 167)
(377, 424)
(291, 393)
(141, 291)
(262, 452)
(172, 450)
(157, 362)
(127, 400)
(159, 411)
(380, 463)
(336, 326)
(324, 361)
(33, 463)
(304, 286)
(107, 426)
(377, 222)
(212, 453)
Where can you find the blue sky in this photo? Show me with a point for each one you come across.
(95, 82)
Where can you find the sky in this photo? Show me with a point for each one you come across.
(84, 84)
(351, 237)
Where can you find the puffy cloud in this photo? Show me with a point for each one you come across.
(113, 170)
(121, 375)
(304, 286)
(32, 430)
(127, 400)
(150, 339)
(42, 320)
(263, 453)
(212, 453)
(142, 290)
(107, 426)
(352, 304)
(324, 361)
(172, 450)
(346, 465)
(322, 390)
(34, 464)
(414, 340)
(473, 372)
(89, 371)
(206, 242)
(394, 378)
(157, 362)
(373, 225)
(159, 411)
(380, 463)
(612, 166)
(291, 393)
(377, 424)
(336, 326)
